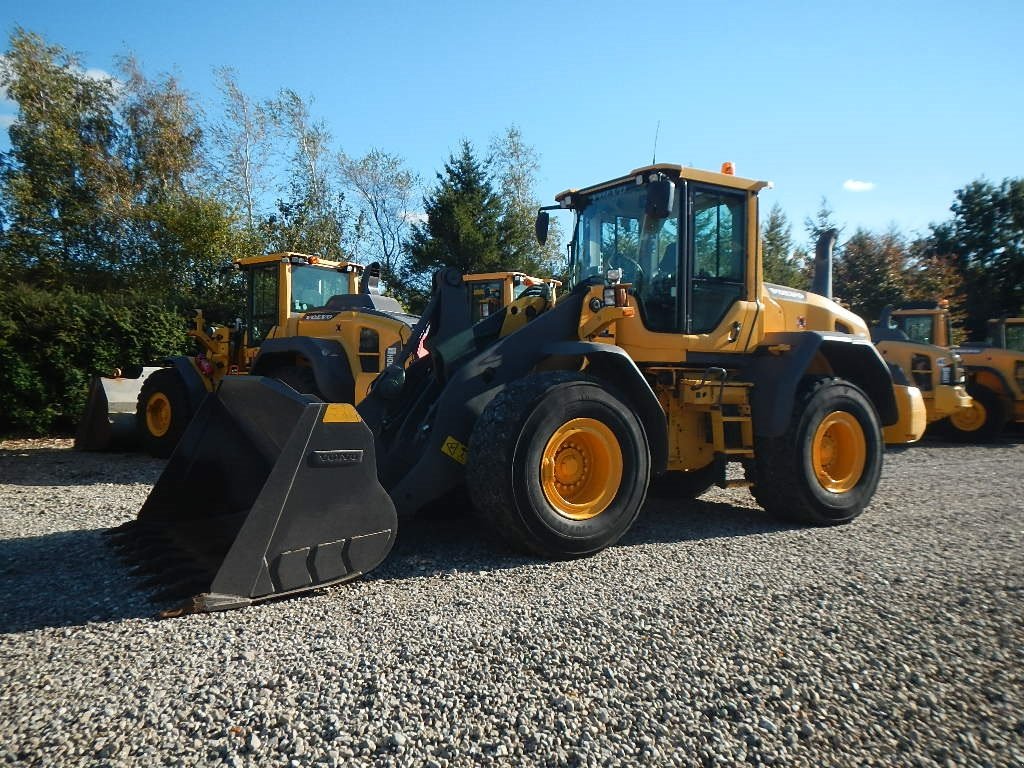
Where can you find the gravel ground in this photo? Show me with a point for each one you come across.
(711, 635)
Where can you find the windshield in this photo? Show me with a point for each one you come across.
(1015, 336)
(312, 286)
(918, 328)
(613, 232)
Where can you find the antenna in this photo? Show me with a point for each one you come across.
(654, 155)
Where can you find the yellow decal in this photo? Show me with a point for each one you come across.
(453, 449)
(337, 413)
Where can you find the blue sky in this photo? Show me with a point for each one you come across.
(912, 99)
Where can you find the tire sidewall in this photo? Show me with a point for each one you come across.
(840, 507)
(167, 381)
(555, 408)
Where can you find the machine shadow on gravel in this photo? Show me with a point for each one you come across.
(63, 467)
(62, 580)
(442, 540)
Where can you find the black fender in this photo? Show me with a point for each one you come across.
(326, 357)
(971, 372)
(195, 386)
(776, 376)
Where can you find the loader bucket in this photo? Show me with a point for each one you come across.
(268, 493)
(108, 423)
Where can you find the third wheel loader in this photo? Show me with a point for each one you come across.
(666, 358)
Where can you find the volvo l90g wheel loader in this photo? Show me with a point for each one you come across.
(935, 370)
(993, 369)
(155, 406)
(666, 357)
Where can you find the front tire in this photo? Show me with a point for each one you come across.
(983, 421)
(558, 465)
(824, 470)
(163, 412)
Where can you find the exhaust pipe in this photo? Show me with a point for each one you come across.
(822, 282)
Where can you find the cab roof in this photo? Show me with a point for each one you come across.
(287, 255)
(675, 172)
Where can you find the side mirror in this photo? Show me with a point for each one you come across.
(541, 226)
(660, 197)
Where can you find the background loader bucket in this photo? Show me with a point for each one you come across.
(108, 423)
(268, 493)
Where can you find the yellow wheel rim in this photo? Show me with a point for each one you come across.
(969, 419)
(839, 452)
(158, 414)
(581, 469)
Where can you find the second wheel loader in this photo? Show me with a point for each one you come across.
(668, 356)
(993, 370)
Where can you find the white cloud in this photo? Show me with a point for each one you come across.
(415, 217)
(852, 185)
(6, 121)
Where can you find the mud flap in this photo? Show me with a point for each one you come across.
(268, 493)
(108, 423)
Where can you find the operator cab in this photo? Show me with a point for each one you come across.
(678, 238)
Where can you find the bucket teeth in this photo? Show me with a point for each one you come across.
(180, 590)
(157, 564)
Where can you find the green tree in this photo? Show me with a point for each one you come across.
(181, 235)
(463, 226)
(985, 239)
(63, 182)
(383, 189)
(781, 265)
(241, 144)
(515, 165)
(869, 273)
(313, 217)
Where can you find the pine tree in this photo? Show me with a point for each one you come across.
(780, 265)
(463, 226)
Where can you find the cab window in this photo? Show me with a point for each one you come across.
(918, 328)
(485, 298)
(262, 302)
(718, 242)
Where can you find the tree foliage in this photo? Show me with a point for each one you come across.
(463, 225)
(782, 263)
(985, 243)
(120, 200)
(383, 189)
(64, 184)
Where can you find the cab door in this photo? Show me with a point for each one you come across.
(720, 304)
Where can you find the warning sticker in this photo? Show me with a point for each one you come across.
(453, 449)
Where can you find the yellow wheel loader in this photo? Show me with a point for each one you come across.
(155, 405)
(935, 370)
(667, 356)
(1006, 333)
(993, 370)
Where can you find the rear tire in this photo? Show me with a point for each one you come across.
(163, 412)
(984, 421)
(558, 465)
(824, 470)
